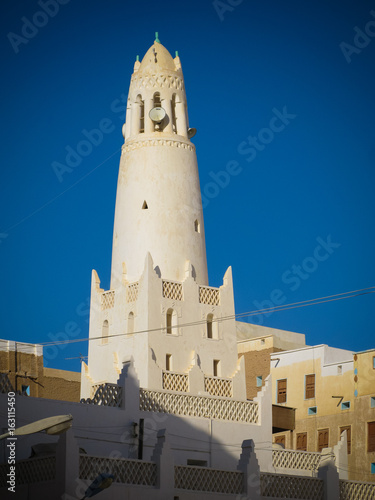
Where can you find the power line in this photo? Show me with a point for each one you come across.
(286, 307)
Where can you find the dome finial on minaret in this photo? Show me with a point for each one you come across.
(157, 37)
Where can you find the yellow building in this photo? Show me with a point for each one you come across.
(22, 369)
(332, 390)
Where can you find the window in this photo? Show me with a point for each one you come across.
(131, 323)
(280, 440)
(323, 439)
(372, 401)
(301, 441)
(281, 391)
(144, 206)
(168, 362)
(26, 390)
(373, 362)
(348, 430)
(105, 331)
(197, 226)
(157, 104)
(197, 463)
(174, 125)
(373, 468)
(212, 327)
(370, 436)
(313, 410)
(339, 370)
(142, 117)
(209, 326)
(259, 381)
(216, 367)
(157, 101)
(310, 386)
(171, 321)
(345, 405)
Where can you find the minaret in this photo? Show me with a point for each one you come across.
(158, 203)
(160, 313)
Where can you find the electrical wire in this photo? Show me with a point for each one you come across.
(294, 305)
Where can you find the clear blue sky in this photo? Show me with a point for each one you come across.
(309, 180)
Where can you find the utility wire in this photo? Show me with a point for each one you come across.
(294, 305)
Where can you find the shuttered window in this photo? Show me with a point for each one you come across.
(281, 391)
(310, 386)
(323, 439)
(371, 436)
(302, 441)
(280, 440)
(348, 430)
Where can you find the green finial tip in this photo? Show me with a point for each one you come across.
(138, 58)
(176, 53)
(157, 37)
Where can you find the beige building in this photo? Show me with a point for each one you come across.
(256, 344)
(326, 390)
(21, 369)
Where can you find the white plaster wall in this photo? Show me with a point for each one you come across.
(166, 177)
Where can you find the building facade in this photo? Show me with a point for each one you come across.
(332, 390)
(22, 370)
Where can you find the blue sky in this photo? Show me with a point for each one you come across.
(296, 222)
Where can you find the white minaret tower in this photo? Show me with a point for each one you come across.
(158, 203)
(160, 312)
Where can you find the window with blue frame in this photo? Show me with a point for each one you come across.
(259, 381)
(345, 405)
(372, 401)
(26, 389)
(313, 410)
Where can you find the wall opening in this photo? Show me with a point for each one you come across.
(348, 429)
(216, 367)
(157, 104)
(144, 206)
(131, 322)
(197, 463)
(281, 390)
(301, 442)
(197, 226)
(174, 125)
(209, 326)
(105, 332)
(168, 362)
(212, 327)
(141, 105)
(323, 439)
(171, 322)
(157, 100)
(26, 390)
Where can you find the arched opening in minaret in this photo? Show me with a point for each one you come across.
(105, 332)
(131, 322)
(197, 226)
(141, 105)
(174, 125)
(157, 126)
(171, 321)
(212, 327)
(157, 100)
(144, 206)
